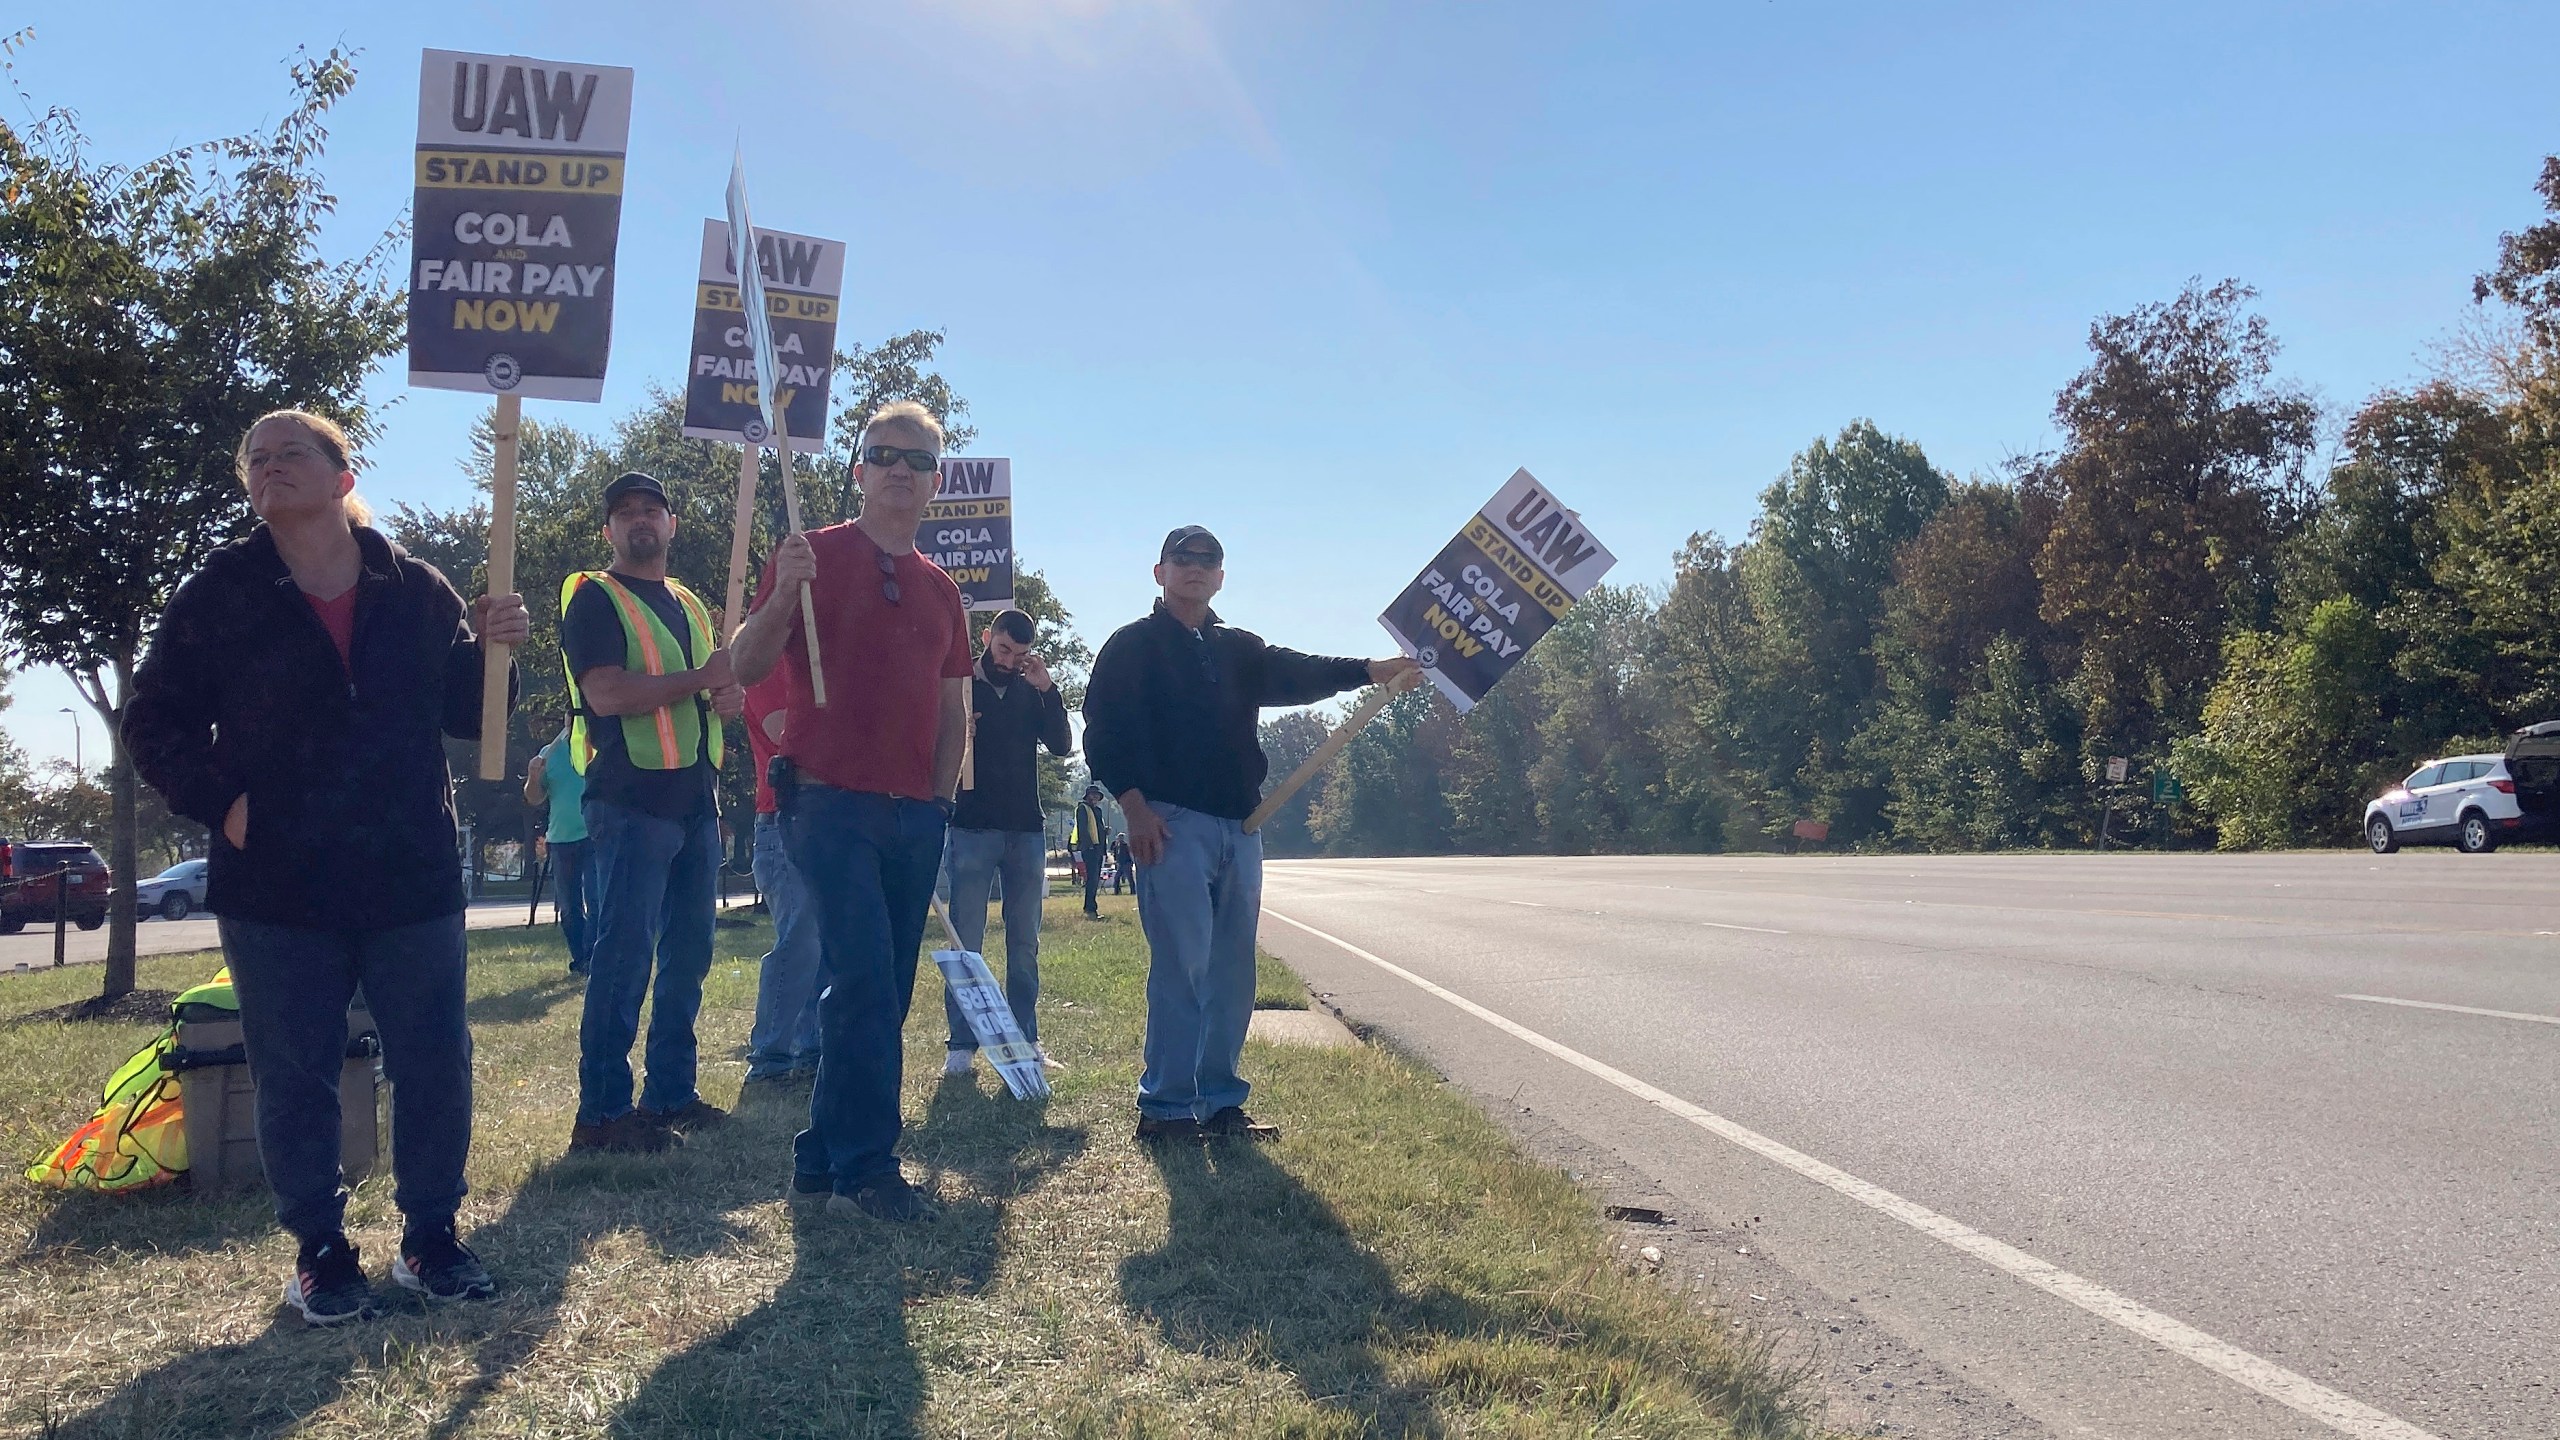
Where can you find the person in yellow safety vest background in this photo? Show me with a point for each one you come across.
(1093, 835)
(649, 686)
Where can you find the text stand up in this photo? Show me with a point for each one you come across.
(496, 660)
(1366, 711)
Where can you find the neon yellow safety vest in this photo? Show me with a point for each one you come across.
(668, 737)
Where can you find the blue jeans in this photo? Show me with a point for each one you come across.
(1023, 858)
(785, 1037)
(1092, 879)
(869, 862)
(1200, 906)
(656, 883)
(574, 891)
(293, 986)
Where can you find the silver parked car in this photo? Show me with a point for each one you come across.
(174, 893)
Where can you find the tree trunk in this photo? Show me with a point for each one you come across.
(122, 838)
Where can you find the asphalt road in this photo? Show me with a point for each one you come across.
(2070, 1145)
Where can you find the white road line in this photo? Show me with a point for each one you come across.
(2297, 1392)
(1720, 925)
(1530, 904)
(2457, 1009)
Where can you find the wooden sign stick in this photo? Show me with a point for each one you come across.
(734, 614)
(1366, 711)
(498, 660)
(791, 509)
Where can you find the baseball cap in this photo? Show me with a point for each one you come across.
(634, 482)
(1193, 540)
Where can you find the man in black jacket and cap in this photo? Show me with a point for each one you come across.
(997, 828)
(1172, 717)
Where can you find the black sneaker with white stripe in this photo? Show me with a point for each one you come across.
(436, 1264)
(328, 1285)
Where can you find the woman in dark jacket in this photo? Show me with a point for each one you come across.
(294, 700)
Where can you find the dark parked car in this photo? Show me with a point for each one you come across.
(28, 887)
(2533, 762)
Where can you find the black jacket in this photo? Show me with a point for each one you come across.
(350, 803)
(1011, 726)
(1156, 721)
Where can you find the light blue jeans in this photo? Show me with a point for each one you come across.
(1200, 905)
(974, 858)
(657, 885)
(785, 1037)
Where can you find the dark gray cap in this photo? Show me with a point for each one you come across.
(1192, 540)
(634, 482)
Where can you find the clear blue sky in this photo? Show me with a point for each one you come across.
(1319, 274)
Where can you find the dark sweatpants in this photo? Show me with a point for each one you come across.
(293, 985)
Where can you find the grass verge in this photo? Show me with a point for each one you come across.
(1391, 1267)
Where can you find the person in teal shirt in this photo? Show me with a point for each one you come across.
(554, 778)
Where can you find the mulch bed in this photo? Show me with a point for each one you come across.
(133, 1007)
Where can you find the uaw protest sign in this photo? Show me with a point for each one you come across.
(803, 282)
(968, 529)
(518, 209)
(1515, 569)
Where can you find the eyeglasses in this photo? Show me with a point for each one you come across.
(1194, 560)
(293, 454)
(923, 462)
(888, 576)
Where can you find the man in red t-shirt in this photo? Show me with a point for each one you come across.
(871, 776)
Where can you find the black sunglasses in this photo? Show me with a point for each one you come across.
(1194, 560)
(888, 577)
(923, 462)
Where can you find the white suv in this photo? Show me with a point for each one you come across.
(2466, 801)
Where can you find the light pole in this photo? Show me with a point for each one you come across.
(79, 762)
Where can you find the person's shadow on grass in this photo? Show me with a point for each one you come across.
(1256, 1268)
(828, 1353)
(676, 1206)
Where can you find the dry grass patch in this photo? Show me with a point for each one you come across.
(1391, 1267)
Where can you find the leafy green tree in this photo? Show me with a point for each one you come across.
(1493, 809)
(869, 377)
(1287, 740)
(1774, 640)
(1385, 795)
(2181, 471)
(152, 312)
(2527, 275)
(2294, 735)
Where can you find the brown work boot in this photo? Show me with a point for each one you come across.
(1233, 1124)
(695, 1114)
(633, 1132)
(1181, 1130)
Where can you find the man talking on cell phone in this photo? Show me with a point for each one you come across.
(1172, 718)
(997, 829)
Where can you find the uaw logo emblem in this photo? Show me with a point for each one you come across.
(1428, 656)
(753, 432)
(503, 372)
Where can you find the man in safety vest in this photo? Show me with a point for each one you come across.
(650, 686)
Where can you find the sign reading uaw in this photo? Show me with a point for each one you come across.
(519, 205)
(803, 279)
(968, 529)
(1508, 577)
